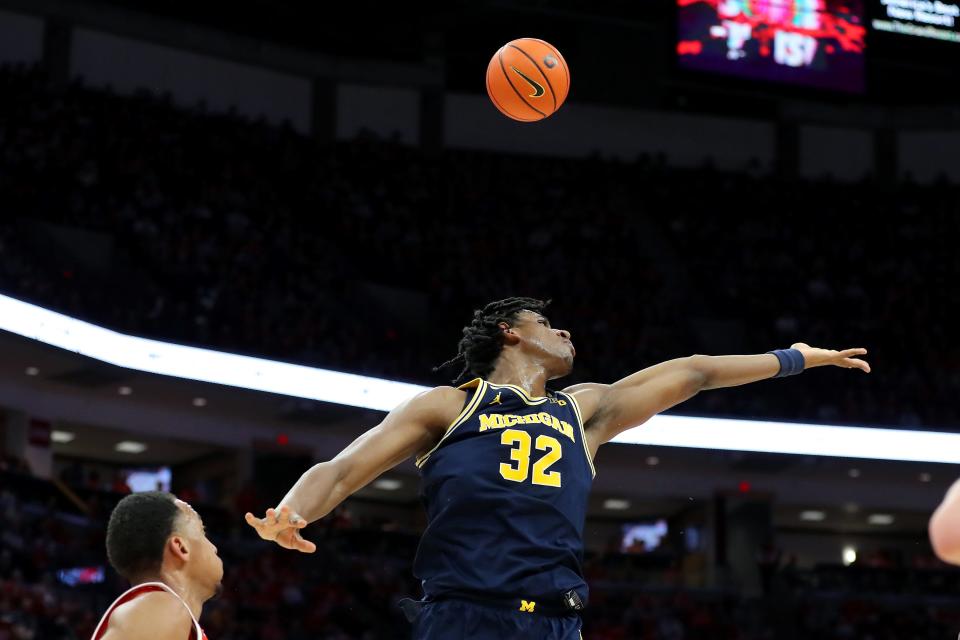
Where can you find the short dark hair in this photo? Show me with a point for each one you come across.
(138, 530)
(482, 339)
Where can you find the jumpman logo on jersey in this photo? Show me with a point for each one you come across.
(496, 400)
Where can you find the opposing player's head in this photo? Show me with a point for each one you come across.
(153, 534)
(514, 327)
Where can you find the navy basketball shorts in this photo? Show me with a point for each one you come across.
(462, 620)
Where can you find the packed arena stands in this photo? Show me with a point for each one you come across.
(221, 232)
(362, 568)
(348, 589)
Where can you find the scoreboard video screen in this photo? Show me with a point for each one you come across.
(921, 18)
(814, 43)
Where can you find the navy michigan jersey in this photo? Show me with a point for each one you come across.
(506, 493)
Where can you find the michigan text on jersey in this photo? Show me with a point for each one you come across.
(502, 420)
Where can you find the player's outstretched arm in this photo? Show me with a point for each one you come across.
(610, 409)
(413, 426)
(945, 527)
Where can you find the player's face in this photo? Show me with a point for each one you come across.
(539, 337)
(205, 566)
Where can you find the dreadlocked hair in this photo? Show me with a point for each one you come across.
(482, 339)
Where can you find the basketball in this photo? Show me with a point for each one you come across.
(527, 79)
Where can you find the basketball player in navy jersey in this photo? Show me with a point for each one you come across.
(945, 527)
(159, 544)
(507, 467)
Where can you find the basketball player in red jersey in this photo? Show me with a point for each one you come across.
(158, 543)
(945, 527)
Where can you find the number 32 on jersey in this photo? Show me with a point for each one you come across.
(518, 469)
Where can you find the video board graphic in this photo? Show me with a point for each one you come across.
(816, 43)
(922, 18)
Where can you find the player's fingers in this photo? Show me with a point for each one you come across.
(296, 521)
(304, 545)
(262, 529)
(859, 351)
(289, 517)
(271, 515)
(856, 363)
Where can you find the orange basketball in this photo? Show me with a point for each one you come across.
(528, 79)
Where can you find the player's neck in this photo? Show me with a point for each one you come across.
(188, 592)
(529, 375)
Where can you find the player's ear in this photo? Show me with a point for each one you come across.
(509, 335)
(177, 547)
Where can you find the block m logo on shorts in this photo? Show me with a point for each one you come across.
(527, 607)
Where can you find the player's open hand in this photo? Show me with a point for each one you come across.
(282, 527)
(847, 359)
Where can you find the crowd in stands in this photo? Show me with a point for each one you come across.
(348, 590)
(368, 256)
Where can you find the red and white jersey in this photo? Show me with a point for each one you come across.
(195, 634)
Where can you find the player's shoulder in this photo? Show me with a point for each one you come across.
(586, 388)
(157, 615)
(589, 397)
(585, 392)
(442, 398)
(433, 409)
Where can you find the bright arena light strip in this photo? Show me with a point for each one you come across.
(192, 363)
(164, 358)
(805, 439)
